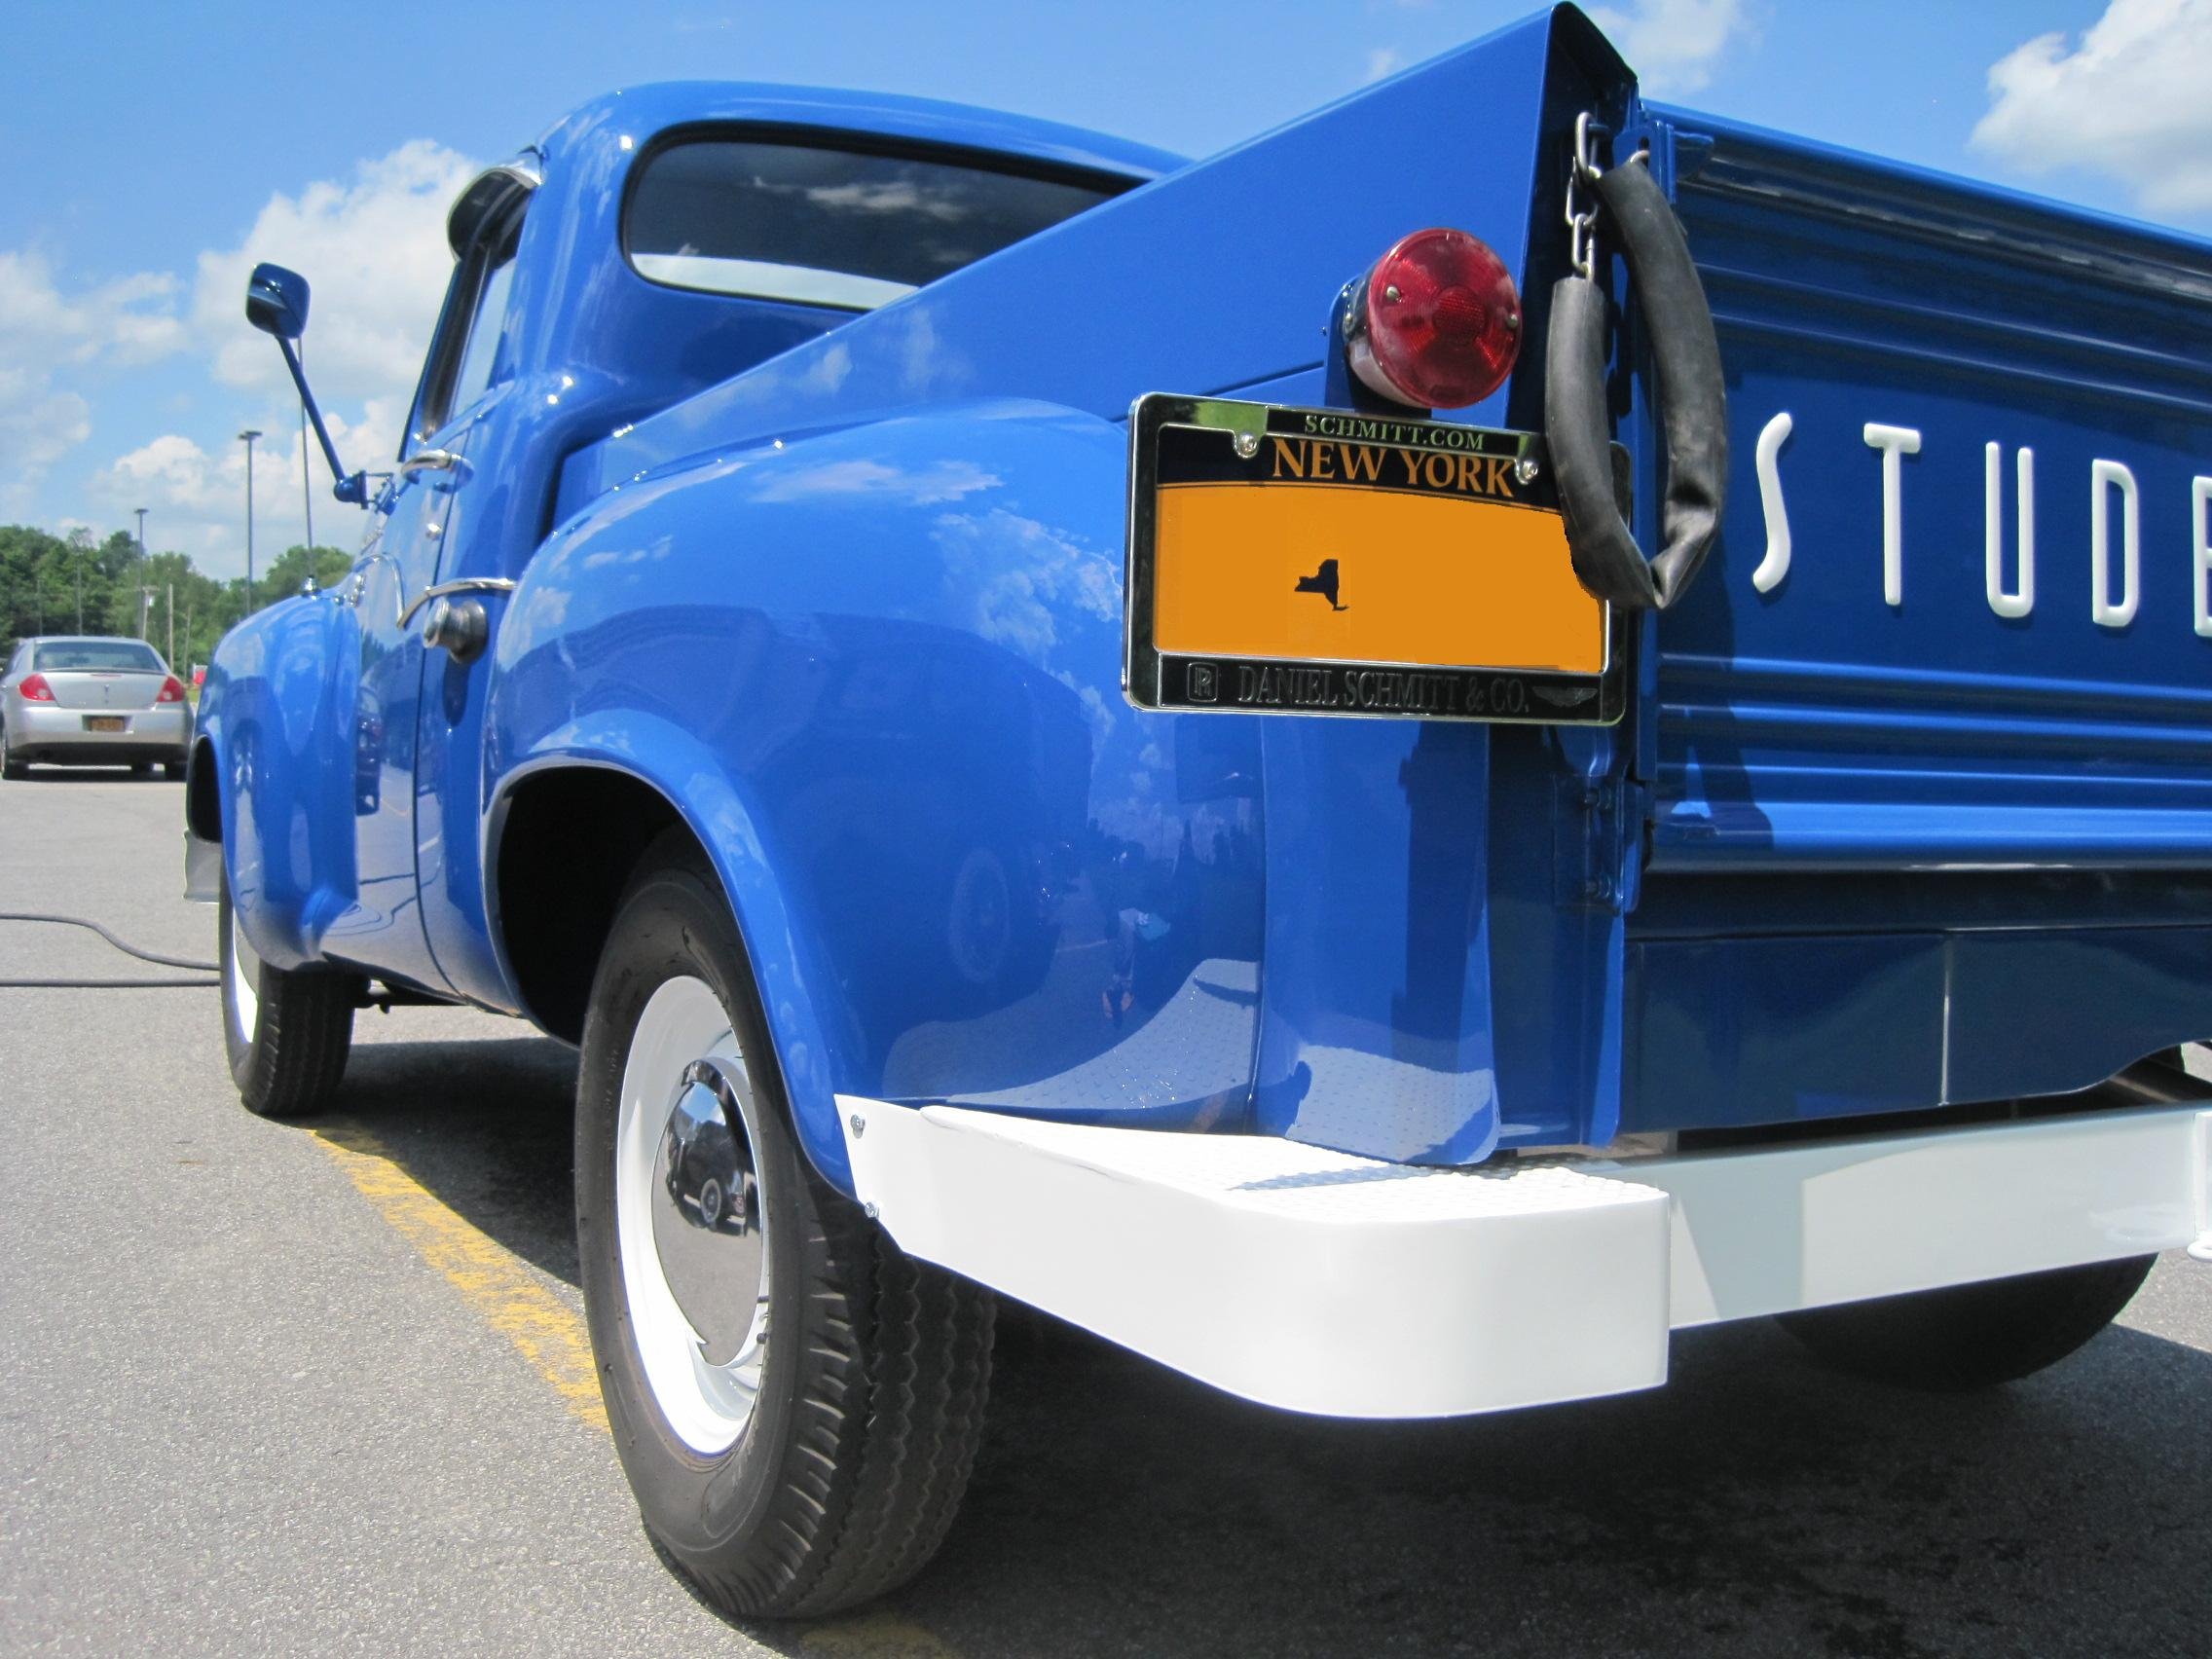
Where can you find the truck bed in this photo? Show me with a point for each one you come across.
(1879, 835)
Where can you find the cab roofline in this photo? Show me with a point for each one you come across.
(641, 113)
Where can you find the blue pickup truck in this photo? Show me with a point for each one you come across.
(1383, 767)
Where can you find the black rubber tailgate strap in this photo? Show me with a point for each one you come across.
(1692, 403)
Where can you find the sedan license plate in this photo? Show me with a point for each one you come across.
(1319, 562)
(104, 722)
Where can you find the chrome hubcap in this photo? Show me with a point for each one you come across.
(707, 1213)
(689, 1222)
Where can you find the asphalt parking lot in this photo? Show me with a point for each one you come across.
(281, 1389)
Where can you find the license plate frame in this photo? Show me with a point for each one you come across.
(106, 723)
(1167, 665)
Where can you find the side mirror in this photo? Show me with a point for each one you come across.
(276, 301)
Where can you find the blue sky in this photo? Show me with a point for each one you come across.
(148, 152)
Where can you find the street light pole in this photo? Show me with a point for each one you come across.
(306, 485)
(247, 436)
(141, 512)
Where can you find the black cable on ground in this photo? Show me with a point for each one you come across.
(153, 956)
(108, 985)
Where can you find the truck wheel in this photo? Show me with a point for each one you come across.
(795, 1401)
(1970, 1336)
(286, 1033)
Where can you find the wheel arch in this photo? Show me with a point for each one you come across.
(578, 822)
(202, 792)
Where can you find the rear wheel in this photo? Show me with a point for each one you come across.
(1970, 1336)
(12, 769)
(796, 1402)
(287, 1033)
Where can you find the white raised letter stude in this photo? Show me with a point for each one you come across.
(1776, 565)
(2104, 477)
(2022, 598)
(1894, 443)
(2199, 496)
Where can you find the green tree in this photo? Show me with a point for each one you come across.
(51, 584)
(295, 564)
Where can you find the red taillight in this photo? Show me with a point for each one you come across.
(1439, 325)
(35, 689)
(172, 691)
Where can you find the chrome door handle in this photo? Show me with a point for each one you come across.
(430, 460)
(465, 584)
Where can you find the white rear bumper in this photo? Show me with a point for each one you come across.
(1328, 1283)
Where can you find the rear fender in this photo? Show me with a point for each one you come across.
(785, 969)
(877, 670)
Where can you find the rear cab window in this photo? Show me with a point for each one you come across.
(126, 656)
(816, 225)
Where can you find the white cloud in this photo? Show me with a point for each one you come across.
(374, 248)
(38, 427)
(2128, 99)
(1380, 62)
(1673, 45)
(375, 252)
(49, 335)
(196, 497)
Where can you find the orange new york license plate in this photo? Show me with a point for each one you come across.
(1318, 561)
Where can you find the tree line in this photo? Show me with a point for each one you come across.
(74, 584)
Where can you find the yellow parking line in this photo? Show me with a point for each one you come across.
(551, 1335)
(490, 1278)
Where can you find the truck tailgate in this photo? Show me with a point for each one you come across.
(1930, 752)
(1988, 649)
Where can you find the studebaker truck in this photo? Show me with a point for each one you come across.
(1384, 767)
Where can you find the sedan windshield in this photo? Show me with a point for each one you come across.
(129, 656)
(828, 227)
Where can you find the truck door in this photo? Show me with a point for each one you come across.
(495, 511)
(385, 929)
(384, 926)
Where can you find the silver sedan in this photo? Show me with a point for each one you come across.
(82, 701)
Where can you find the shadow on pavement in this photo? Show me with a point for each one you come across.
(1756, 1505)
(484, 1126)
